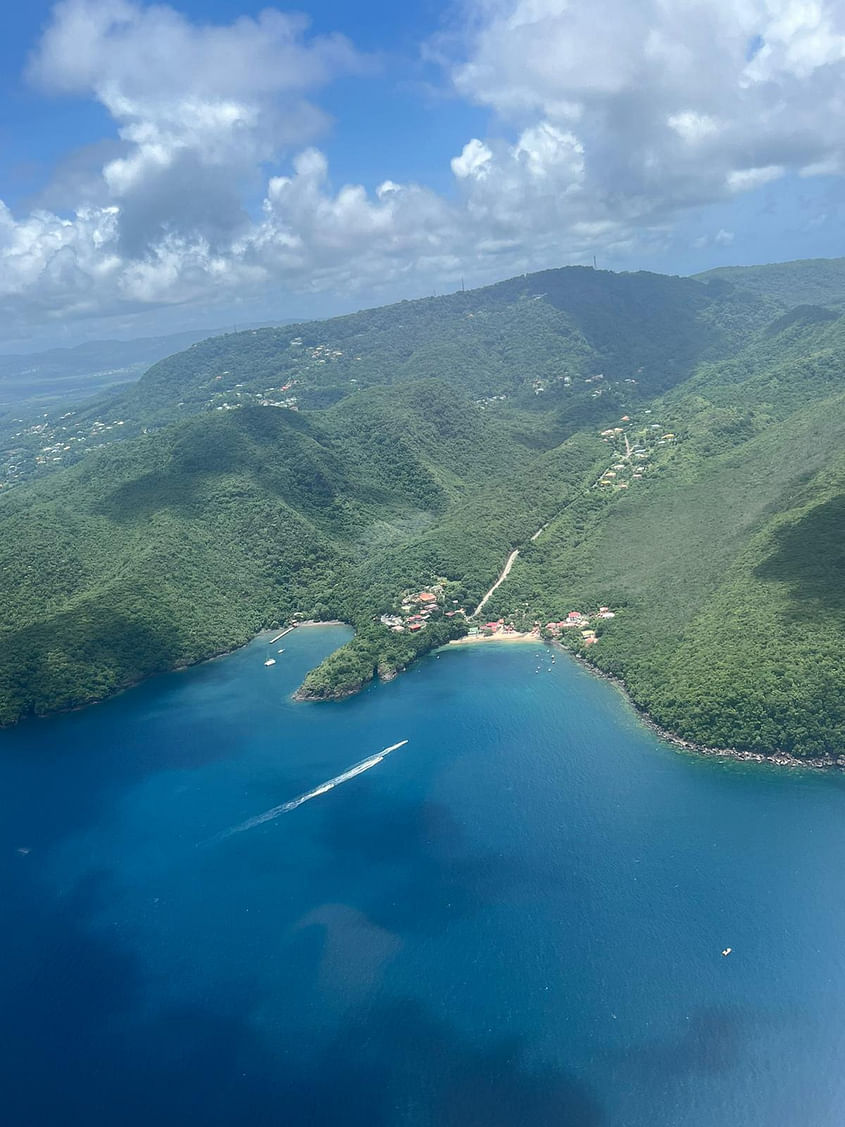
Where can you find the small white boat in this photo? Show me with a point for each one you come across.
(726, 952)
(270, 661)
(280, 651)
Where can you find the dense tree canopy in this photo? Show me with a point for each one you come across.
(323, 470)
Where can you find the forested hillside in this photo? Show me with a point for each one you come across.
(726, 568)
(809, 281)
(580, 341)
(169, 548)
(679, 441)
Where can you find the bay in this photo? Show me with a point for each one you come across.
(515, 918)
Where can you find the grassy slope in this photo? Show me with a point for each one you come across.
(146, 557)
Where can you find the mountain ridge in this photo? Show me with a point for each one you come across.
(256, 478)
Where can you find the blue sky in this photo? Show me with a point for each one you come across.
(165, 167)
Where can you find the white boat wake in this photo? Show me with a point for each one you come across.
(286, 807)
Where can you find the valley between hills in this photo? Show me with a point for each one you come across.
(661, 456)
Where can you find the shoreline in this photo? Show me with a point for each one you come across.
(516, 636)
(776, 759)
(320, 622)
(178, 667)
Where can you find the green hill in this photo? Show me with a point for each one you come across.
(169, 548)
(726, 566)
(811, 281)
(508, 339)
(681, 440)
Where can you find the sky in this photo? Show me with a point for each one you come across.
(209, 164)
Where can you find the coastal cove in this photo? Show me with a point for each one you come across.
(533, 637)
(776, 759)
(229, 906)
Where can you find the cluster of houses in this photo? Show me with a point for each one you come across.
(575, 620)
(235, 397)
(499, 626)
(418, 608)
(50, 443)
(323, 352)
(636, 459)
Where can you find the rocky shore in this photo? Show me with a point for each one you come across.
(778, 758)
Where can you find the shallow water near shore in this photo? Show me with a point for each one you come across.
(515, 918)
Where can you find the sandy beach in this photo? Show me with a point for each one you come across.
(515, 636)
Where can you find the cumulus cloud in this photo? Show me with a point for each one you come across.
(197, 107)
(608, 120)
(675, 102)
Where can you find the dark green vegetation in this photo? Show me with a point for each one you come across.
(325, 469)
(809, 281)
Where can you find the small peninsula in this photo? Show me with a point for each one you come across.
(493, 460)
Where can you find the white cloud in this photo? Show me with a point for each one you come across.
(681, 102)
(474, 161)
(693, 127)
(609, 119)
(197, 107)
(745, 179)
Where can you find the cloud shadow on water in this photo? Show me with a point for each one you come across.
(89, 1040)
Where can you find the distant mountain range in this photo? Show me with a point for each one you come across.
(680, 442)
(807, 282)
(85, 369)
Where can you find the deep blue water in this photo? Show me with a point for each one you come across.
(515, 919)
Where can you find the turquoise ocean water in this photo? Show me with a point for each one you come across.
(516, 918)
